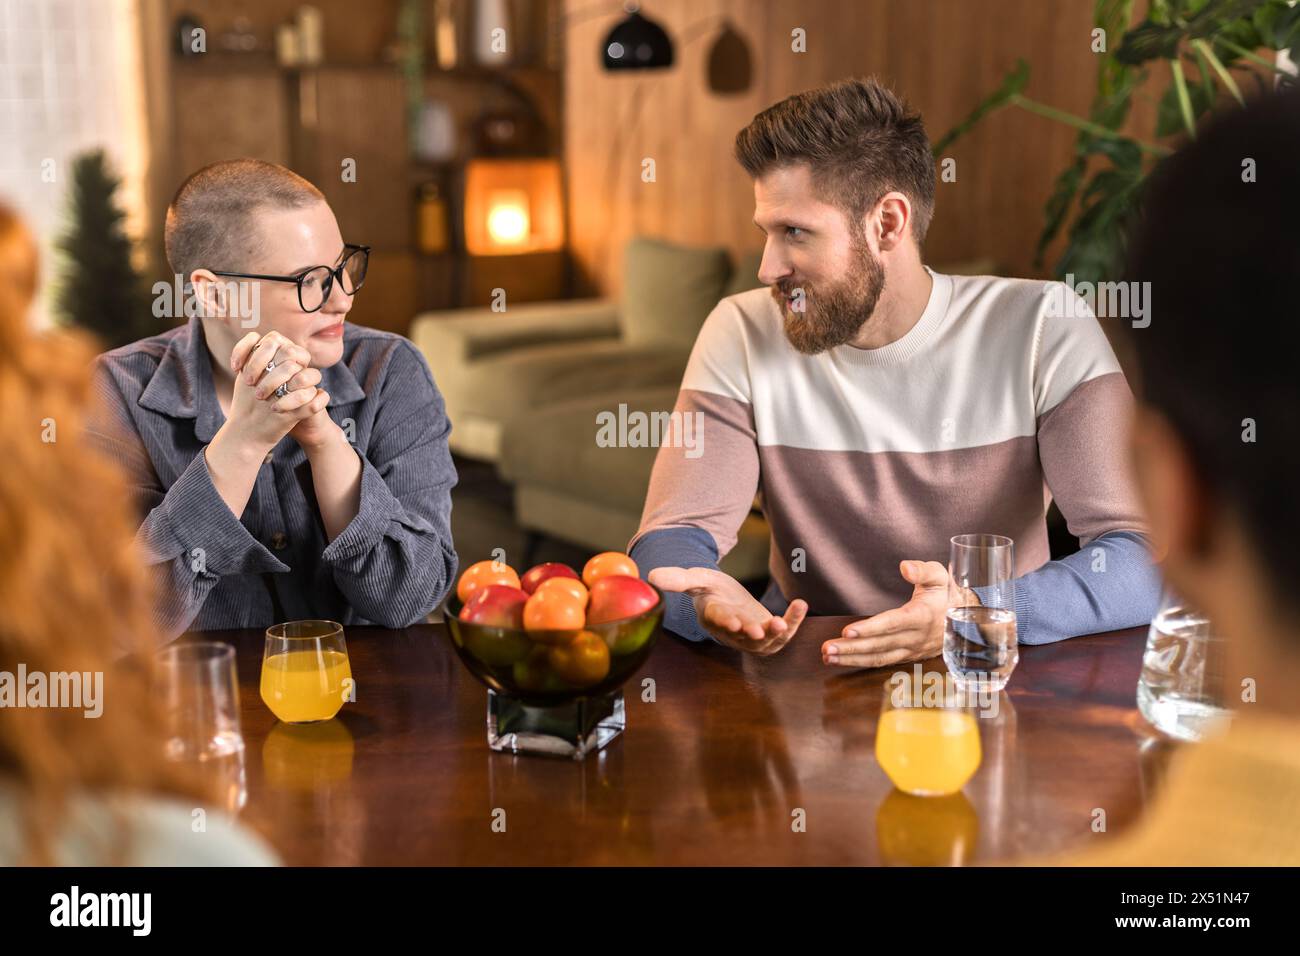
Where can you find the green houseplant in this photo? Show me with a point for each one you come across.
(99, 289)
(1197, 43)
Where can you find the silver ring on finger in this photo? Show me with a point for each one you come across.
(282, 391)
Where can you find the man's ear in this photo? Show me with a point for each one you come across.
(1178, 503)
(894, 219)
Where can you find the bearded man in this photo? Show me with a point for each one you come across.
(878, 408)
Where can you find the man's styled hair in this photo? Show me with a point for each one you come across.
(1217, 241)
(859, 140)
(210, 221)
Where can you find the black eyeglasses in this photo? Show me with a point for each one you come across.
(316, 283)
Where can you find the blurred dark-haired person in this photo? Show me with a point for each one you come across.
(880, 408)
(286, 463)
(1216, 441)
(83, 782)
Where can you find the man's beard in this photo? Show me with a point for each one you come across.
(833, 312)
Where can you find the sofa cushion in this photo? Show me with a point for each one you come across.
(568, 486)
(744, 276)
(452, 337)
(669, 290)
(557, 448)
(502, 386)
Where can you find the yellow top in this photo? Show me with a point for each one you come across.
(1233, 800)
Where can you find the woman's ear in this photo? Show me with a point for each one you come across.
(209, 296)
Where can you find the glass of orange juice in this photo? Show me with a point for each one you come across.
(306, 676)
(927, 740)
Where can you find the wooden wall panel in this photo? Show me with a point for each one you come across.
(358, 114)
(224, 114)
(389, 298)
(943, 55)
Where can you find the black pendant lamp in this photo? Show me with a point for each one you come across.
(730, 68)
(637, 43)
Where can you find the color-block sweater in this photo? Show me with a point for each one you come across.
(987, 409)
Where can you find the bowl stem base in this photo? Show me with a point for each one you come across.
(573, 730)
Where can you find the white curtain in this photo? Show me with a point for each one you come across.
(70, 81)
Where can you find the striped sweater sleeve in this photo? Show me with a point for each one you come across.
(1084, 407)
(701, 491)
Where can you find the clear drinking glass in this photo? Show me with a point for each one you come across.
(1181, 689)
(979, 636)
(200, 694)
(306, 675)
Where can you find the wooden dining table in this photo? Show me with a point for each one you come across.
(727, 758)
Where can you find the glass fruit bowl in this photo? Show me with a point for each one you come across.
(546, 668)
(554, 692)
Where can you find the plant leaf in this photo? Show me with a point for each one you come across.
(1169, 114)
(1124, 153)
(1242, 33)
(1099, 233)
(1110, 105)
(1275, 24)
(1209, 61)
(1217, 15)
(1058, 205)
(1149, 41)
(1012, 84)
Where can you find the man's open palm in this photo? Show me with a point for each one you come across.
(729, 613)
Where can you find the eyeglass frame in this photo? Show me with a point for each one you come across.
(334, 274)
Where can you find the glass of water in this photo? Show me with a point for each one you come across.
(1181, 689)
(979, 637)
(200, 696)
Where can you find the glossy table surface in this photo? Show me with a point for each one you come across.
(736, 760)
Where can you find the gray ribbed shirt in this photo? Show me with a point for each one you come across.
(157, 410)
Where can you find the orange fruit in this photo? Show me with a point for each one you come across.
(482, 573)
(607, 563)
(582, 662)
(551, 609)
(571, 586)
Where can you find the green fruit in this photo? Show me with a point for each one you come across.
(534, 673)
(632, 637)
(527, 675)
(496, 647)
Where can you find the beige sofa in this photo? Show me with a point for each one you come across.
(493, 367)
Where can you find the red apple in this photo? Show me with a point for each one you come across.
(551, 569)
(496, 605)
(618, 596)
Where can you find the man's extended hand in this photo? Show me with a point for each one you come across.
(729, 613)
(912, 632)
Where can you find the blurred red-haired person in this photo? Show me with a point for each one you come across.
(75, 788)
